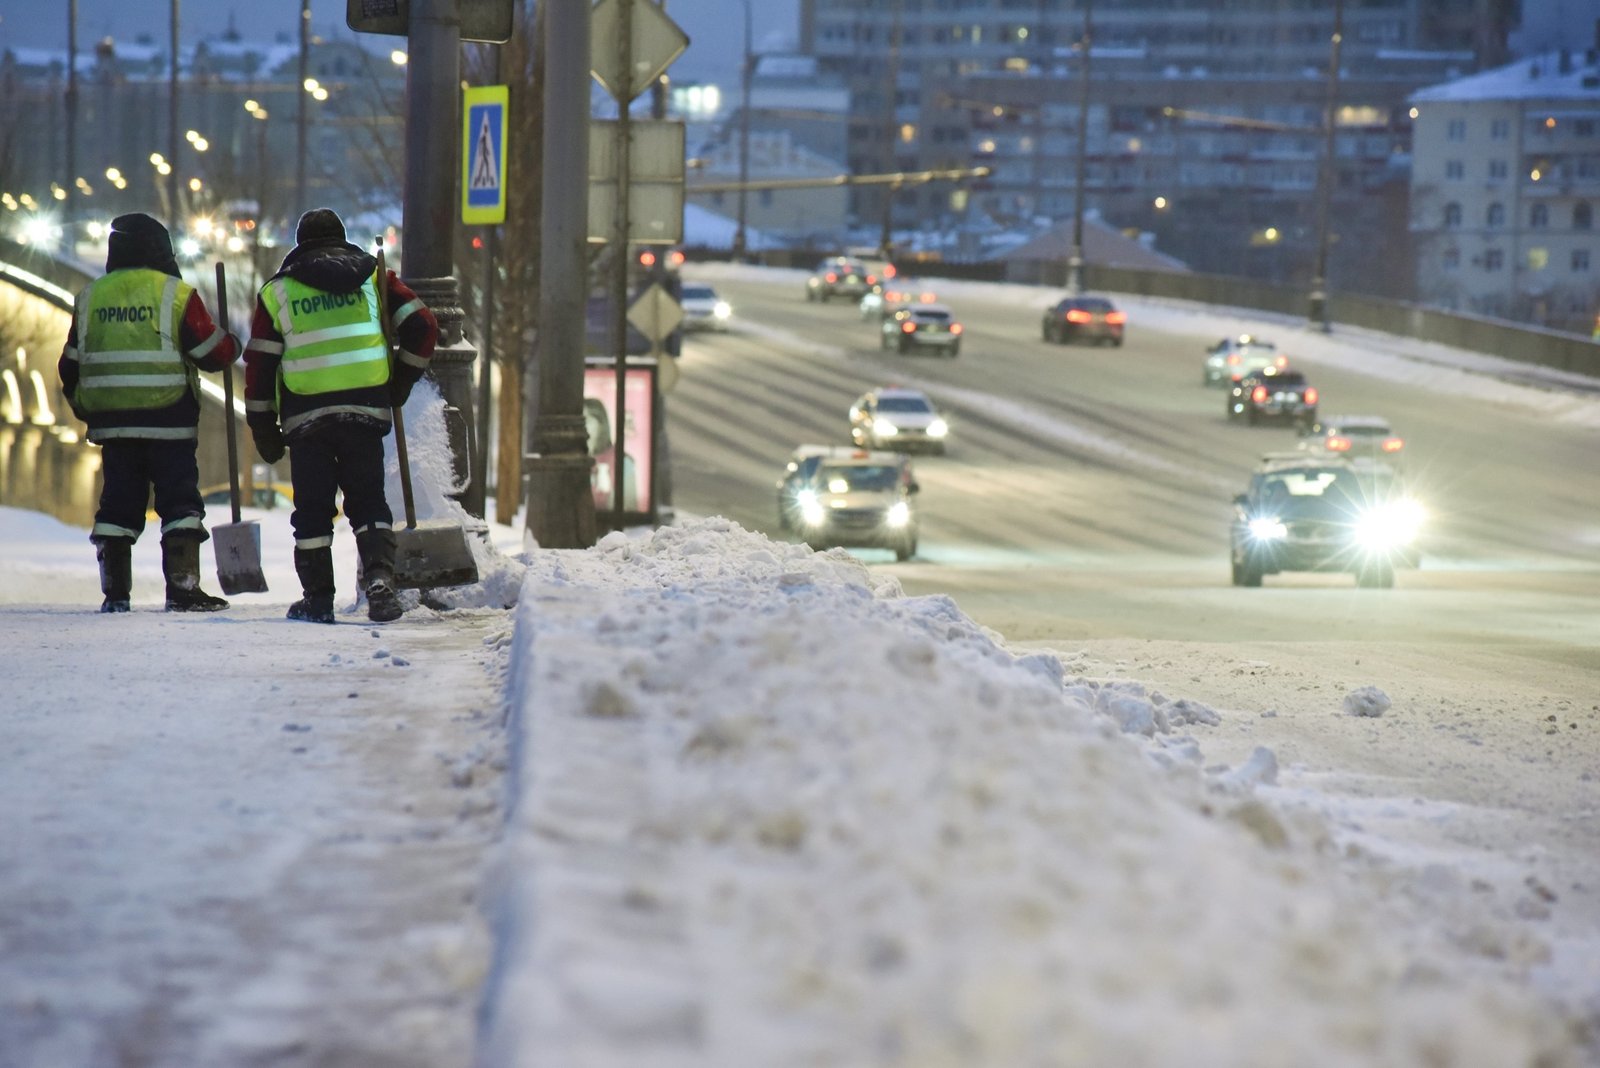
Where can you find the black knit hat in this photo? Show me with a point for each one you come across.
(320, 226)
(137, 240)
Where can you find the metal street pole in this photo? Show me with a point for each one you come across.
(172, 126)
(1317, 311)
(1075, 257)
(890, 131)
(619, 263)
(433, 134)
(739, 237)
(301, 117)
(72, 124)
(477, 496)
(560, 502)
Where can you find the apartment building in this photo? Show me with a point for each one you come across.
(1505, 187)
(1203, 116)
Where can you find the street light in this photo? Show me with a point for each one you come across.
(739, 237)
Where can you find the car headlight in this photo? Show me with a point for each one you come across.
(1268, 529)
(938, 428)
(1390, 525)
(884, 429)
(811, 511)
(722, 310)
(899, 514)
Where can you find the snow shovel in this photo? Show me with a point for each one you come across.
(237, 545)
(435, 553)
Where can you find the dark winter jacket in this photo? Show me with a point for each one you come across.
(339, 268)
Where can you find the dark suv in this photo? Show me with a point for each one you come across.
(1273, 394)
(1324, 514)
(1083, 319)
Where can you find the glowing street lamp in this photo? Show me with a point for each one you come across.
(398, 57)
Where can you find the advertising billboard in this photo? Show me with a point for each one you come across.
(637, 439)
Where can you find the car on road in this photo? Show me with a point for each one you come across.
(840, 276)
(1309, 512)
(1093, 319)
(1368, 437)
(889, 298)
(1273, 395)
(894, 417)
(922, 326)
(702, 308)
(864, 498)
(798, 474)
(1243, 354)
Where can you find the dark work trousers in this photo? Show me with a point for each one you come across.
(339, 455)
(129, 467)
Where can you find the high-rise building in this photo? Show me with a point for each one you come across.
(1204, 117)
(1505, 187)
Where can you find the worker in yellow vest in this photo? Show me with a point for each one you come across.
(320, 382)
(130, 369)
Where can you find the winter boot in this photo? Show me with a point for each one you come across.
(180, 561)
(315, 568)
(376, 546)
(116, 573)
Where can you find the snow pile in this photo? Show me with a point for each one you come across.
(766, 810)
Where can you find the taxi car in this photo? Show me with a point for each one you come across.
(1083, 319)
(1357, 436)
(922, 326)
(853, 498)
(897, 418)
(702, 308)
(1324, 513)
(1234, 357)
(1272, 394)
(840, 276)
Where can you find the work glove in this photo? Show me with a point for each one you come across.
(399, 391)
(269, 442)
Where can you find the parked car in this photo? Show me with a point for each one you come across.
(896, 418)
(1083, 319)
(702, 308)
(889, 298)
(840, 276)
(1356, 436)
(1273, 395)
(1243, 354)
(1324, 513)
(864, 499)
(922, 326)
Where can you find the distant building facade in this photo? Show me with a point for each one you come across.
(1203, 122)
(1505, 190)
(793, 198)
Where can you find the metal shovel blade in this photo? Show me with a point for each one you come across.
(238, 551)
(433, 554)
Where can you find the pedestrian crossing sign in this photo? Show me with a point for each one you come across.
(483, 155)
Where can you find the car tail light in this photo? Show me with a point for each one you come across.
(955, 328)
(1116, 318)
(1258, 394)
(1311, 394)
(1393, 444)
(872, 279)
(832, 277)
(1337, 444)
(1078, 315)
(927, 298)
(1281, 361)
(908, 327)
(1233, 360)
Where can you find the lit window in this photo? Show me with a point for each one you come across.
(1538, 259)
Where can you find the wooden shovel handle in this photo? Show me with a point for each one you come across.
(382, 285)
(227, 394)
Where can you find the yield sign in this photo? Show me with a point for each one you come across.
(655, 314)
(655, 38)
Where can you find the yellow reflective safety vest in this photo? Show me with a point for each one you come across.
(331, 341)
(129, 352)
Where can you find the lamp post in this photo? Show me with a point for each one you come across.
(172, 119)
(1317, 312)
(302, 117)
(1075, 258)
(739, 236)
(260, 114)
(890, 130)
(72, 117)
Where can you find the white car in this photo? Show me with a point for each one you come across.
(702, 308)
(898, 419)
(1359, 437)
